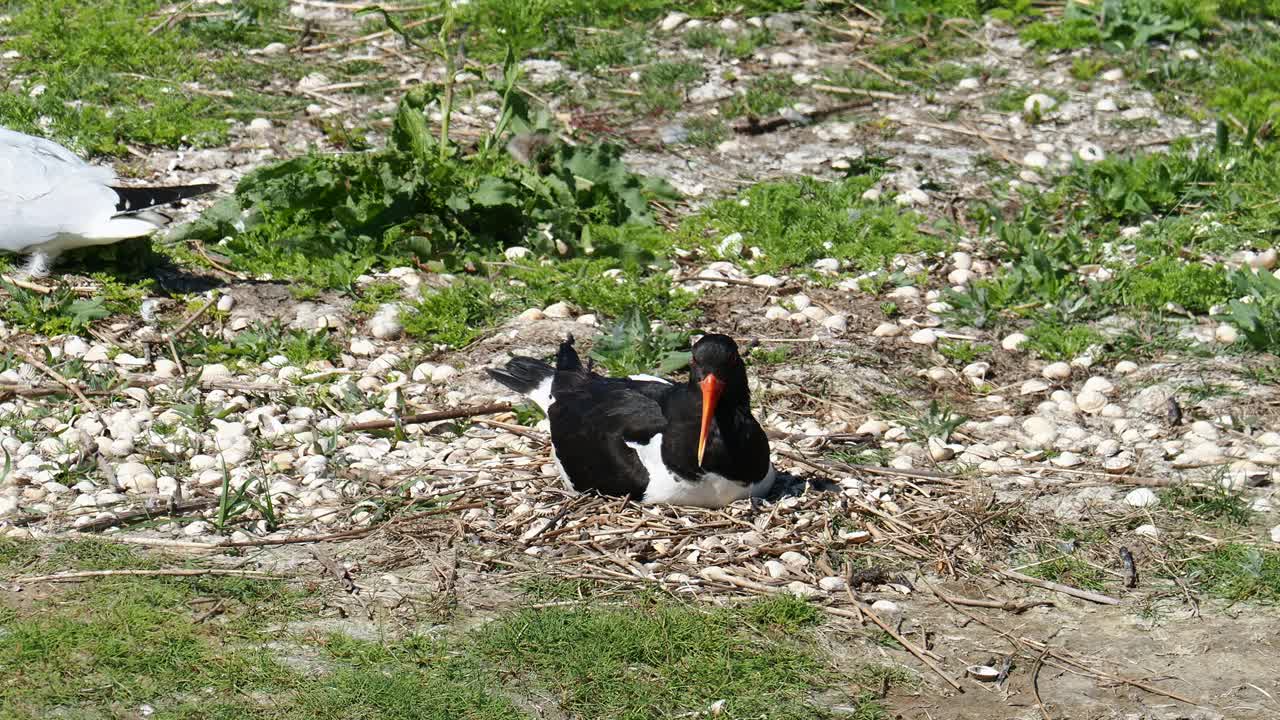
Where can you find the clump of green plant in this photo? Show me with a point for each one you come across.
(60, 312)
(1055, 340)
(1123, 24)
(261, 341)
(962, 352)
(1164, 281)
(326, 219)
(1257, 312)
(634, 346)
(764, 95)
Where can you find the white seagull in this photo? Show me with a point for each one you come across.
(52, 201)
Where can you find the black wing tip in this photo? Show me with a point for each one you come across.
(133, 199)
(521, 374)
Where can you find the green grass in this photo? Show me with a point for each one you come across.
(106, 647)
(764, 96)
(1236, 572)
(656, 661)
(1066, 569)
(108, 81)
(800, 221)
(1214, 504)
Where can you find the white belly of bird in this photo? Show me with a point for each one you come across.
(711, 490)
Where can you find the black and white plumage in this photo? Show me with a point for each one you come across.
(52, 201)
(693, 443)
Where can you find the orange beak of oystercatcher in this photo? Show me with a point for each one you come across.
(711, 389)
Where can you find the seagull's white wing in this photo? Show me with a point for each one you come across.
(46, 191)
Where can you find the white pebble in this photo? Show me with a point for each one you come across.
(673, 21)
(886, 329)
(832, 584)
(1113, 75)
(1226, 334)
(1090, 153)
(1056, 371)
(924, 337)
(1275, 534)
(1126, 367)
(1147, 531)
(1038, 103)
(386, 324)
(558, 310)
(884, 607)
(1141, 497)
(1035, 159)
(836, 323)
(1013, 341)
(1033, 387)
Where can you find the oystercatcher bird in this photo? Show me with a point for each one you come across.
(653, 440)
(52, 201)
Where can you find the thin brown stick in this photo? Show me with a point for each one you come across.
(172, 510)
(340, 574)
(173, 572)
(54, 374)
(347, 534)
(1035, 682)
(191, 319)
(920, 654)
(459, 413)
(1016, 607)
(368, 38)
(1058, 587)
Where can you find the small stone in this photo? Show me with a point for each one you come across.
(884, 607)
(832, 584)
(1126, 367)
(793, 559)
(1226, 334)
(939, 451)
(1091, 401)
(225, 303)
(924, 337)
(1113, 75)
(1013, 342)
(1038, 103)
(775, 569)
(363, 347)
(773, 312)
(871, 194)
(887, 329)
(1275, 534)
(783, 59)
(960, 276)
(873, 427)
(1147, 531)
(531, 315)
(827, 265)
(1107, 448)
(801, 590)
(214, 372)
(969, 83)
(1067, 460)
(1090, 153)
(977, 370)
(443, 374)
(275, 48)
(1035, 159)
(1141, 498)
(1033, 387)
(589, 319)
(258, 125)
(559, 311)
(1057, 371)
(800, 302)
(1106, 104)
(673, 21)
(386, 323)
(836, 323)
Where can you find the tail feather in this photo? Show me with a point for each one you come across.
(529, 377)
(135, 199)
(567, 357)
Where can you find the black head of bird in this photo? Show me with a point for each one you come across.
(718, 371)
